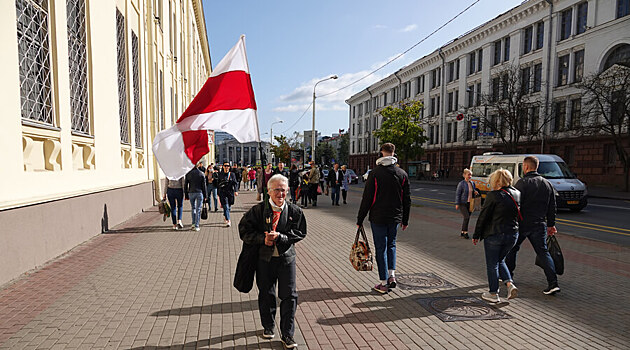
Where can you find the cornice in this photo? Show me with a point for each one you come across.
(203, 33)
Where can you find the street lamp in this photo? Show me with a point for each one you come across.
(314, 136)
(271, 130)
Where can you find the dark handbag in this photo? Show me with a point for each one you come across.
(246, 268)
(361, 255)
(556, 255)
(204, 212)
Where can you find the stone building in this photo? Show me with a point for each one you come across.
(557, 43)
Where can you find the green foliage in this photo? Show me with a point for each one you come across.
(283, 149)
(401, 126)
(344, 149)
(324, 152)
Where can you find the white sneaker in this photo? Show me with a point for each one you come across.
(175, 227)
(512, 291)
(489, 297)
(197, 228)
(228, 223)
(179, 224)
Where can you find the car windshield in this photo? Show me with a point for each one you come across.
(555, 170)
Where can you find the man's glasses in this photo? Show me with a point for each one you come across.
(279, 190)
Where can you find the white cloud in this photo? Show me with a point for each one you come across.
(409, 28)
(380, 26)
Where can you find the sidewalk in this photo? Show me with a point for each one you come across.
(145, 286)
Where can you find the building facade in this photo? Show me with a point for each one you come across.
(86, 87)
(556, 44)
(235, 152)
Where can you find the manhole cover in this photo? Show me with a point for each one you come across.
(421, 281)
(465, 308)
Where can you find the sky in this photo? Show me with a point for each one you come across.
(292, 44)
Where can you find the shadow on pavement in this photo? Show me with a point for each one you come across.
(304, 296)
(393, 309)
(264, 344)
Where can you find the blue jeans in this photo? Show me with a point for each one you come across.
(196, 199)
(497, 247)
(225, 203)
(176, 198)
(212, 191)
(293, 193)
(538, 238)
(334, 194)
(385, 245)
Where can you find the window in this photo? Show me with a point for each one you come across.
(582, 10)
(435, 77)
(525, 75)
(449, 107)
(478, 102)
(623, 8)
(537, 77)
(576, 110)
(618, 107)
(354, 112)
(533, 122)
(33, 51)
(565, 23)
(121, 45)
(432, 107)
(385, 99)
(135, 63)
(360, 109)
(497, 52)
(431, 131)
(437, 107)
(527, 39)
(540, 35)
(456, 100)
(504, 86)
(449, 132)
(451, 71)
(456, 70)
(506, 49)
(560, 115)
(77, 55)
(563, 70)
(479, 59)
(420, 83)
(495, 88)
(470, 91)
(471, 63)
(578, 66)
(454, 133)
(353, 128)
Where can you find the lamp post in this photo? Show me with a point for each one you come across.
(314, 136)
(271, 131)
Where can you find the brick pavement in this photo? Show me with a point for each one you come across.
(144, 286)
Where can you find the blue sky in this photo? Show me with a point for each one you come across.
(293, 44)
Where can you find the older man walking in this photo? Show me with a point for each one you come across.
(275, 226)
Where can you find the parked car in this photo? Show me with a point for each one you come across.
(365, 176)
(354, 179)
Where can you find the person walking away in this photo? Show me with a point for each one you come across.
(464, 195)
(313, 182)
(538, 202)
(498, 227)
(335, 179)
(252, 178)
(322, 179)
(386, 197)
(237, 173)
(211, 185)
(275, 226)
(227, 190)
(194, 189)
(175, 195)
(294, 182)
(245, 178)
(345, 183)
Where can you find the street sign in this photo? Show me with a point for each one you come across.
(460, 117)
(473, 123)
(486, 134)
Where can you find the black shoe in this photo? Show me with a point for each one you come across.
(344, 202)
(289, 342)
(216, 209)
(268, 333)
(465, 235)
(552, 289)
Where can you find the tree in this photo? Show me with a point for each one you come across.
(401, 126)
(283, 149)
(511, 110)
(344, 149)
(324, 152)
(606, 110)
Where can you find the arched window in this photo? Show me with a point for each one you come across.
(619, 55)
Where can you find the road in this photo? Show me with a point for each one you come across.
(603, 219)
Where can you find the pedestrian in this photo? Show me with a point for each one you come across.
(260, 178)
(464, 198)
(322, 179)
(346, 183)
(275, 225)
(498, 227)
(304, 189)
(175, 194)
(245, 178)
(386, 197)
(252, 178)
(282, 170)
(335, 179)
(227, 183)
(237, 172)
(538, 206)
(313, 182)
(194, 189)
(211, 184)
(294, 182)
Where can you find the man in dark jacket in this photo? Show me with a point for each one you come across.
(282, 170)
(538, 207)
(227, 184)
(386, 197)
(335, 179)
(194, 189)
(275, 226)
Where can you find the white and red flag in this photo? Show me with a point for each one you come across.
(225, 102)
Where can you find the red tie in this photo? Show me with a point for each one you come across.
(276, 218)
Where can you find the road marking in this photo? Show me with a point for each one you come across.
(598, 229)
(607, 206)
(586, 223)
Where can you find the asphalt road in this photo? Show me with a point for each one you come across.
(604, 220)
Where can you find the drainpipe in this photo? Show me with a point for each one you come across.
(442, 109)
(548, 82)
(371, 106)
(153, 125)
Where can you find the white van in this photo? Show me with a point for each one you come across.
(571, 193)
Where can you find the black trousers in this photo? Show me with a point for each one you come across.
(465, 210)
(280, 271)
(313, 191)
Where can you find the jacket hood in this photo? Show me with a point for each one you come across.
(386, 161)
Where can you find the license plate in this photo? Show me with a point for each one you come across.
(573, 202)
